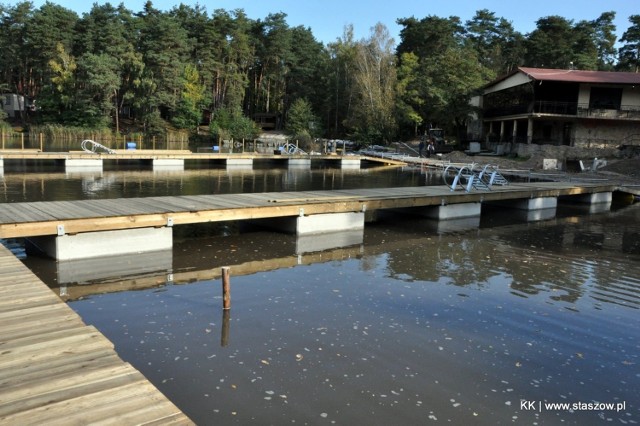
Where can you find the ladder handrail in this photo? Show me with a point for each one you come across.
(465, 177)
(292, 149)
(494, 176)
(93, 147)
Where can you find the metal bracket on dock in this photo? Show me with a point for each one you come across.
(364, 208)
(301, 212)
(60, 230)
(169, 222)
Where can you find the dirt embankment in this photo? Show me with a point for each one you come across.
(619, 167)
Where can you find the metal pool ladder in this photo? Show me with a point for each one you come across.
(467, 179)
(93, 147)
(491, 176)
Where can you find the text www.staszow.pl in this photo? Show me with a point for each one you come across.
(572, 406)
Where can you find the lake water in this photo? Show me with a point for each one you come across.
(416, 324)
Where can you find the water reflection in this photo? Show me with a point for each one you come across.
(455, 327)
(561, 257)
(43, 185)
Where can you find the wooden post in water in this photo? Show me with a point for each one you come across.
(41, 143)
(22, 140)
(2, 140)
(224, 334)
(226, 288)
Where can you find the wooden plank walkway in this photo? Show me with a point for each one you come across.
(44, 218)
(55, 370)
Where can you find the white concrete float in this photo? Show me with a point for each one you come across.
(103, 243)
(452, 211)
(531, 209)
(299, 162)
(539, 203)
(315, 224)
(239, 162)
(83, 164)
(350, 163)
(594, 198)
(330, 222)
(528, 204)
(168, 164)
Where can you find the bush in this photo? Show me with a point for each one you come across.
(306, 142)
(231, 124)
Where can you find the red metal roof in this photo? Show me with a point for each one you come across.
(579, 76)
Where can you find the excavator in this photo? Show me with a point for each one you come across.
(436, 135)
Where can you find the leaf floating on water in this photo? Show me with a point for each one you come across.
(299, 357)
(518, 364)
(264, 361)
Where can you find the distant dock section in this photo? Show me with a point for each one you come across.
(177, 159)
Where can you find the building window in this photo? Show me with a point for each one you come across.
(605, 98)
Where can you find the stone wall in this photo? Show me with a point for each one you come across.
(605, 134)
(563, 152)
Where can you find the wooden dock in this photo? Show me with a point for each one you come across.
(184, 155)
(72, 217)
(55, 370)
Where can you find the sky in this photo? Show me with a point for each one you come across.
(328, 18)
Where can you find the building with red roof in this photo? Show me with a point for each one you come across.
(560, 107)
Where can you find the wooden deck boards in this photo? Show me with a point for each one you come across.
(54, 369)
(42, 218)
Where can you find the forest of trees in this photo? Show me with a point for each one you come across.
(186, 67)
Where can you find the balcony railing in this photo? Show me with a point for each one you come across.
(625, 111)
(566, 108)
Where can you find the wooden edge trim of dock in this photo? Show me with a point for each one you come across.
(54, 368)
